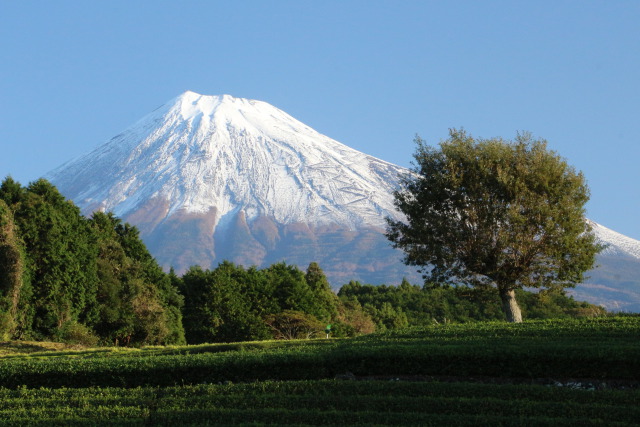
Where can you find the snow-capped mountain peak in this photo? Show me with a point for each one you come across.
(198, 152)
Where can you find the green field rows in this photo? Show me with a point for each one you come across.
(474, 374)
(324, 402)
(595, 350)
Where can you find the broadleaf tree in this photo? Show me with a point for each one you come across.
(492, 213)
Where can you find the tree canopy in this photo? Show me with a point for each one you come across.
(67, 277)
(494, 213)
(231, 303)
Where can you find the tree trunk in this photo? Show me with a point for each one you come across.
(510, 306)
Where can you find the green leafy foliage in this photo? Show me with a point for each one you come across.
(74, 279)
(72, 332)
(494, 213)
(603, 349)
(12, 275)
(88, 281)
(224, 304)
(231, 303)
(60, 257)
(569, 372)
(77, 279)
(352, 320)
(393, 307)
(322, 403)
(326, 299)
(138, 301)
(291, 325)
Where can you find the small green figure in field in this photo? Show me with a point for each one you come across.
(327, 330)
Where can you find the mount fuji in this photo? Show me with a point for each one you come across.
(209, 178)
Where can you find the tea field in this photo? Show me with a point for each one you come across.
(569, 372)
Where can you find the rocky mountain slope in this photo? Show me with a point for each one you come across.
(208, 178)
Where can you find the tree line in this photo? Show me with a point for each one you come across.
(65, 277)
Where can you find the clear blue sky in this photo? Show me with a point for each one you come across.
(370, 74)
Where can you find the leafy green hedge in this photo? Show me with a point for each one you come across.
(323, 402)
(292, 382)
(532, 350)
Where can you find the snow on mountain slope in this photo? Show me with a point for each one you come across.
(616, 244)
(199, 152)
